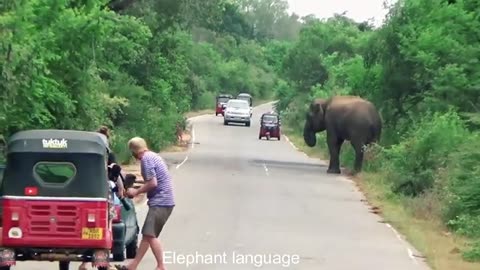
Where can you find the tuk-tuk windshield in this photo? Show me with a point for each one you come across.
(222, 99)
(270, 119)
(55, 172)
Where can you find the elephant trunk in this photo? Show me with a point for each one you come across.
(309, 136)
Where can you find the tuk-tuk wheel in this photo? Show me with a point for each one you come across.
(63, 265)
(4, 267)
(131, 249)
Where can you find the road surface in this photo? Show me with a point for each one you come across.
(244, 203)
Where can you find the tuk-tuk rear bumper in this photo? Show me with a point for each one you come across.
(10, 256)
(54, 224)
(220, 110)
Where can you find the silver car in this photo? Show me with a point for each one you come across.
(237, 111)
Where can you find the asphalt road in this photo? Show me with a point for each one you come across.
(244, 203)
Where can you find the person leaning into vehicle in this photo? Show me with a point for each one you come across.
(159, 188)
(106, 131)
(110, 162)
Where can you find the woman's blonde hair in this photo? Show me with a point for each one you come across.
(137, 144)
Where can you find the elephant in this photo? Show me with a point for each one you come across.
(348, 118)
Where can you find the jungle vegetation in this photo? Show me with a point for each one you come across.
(139, 65)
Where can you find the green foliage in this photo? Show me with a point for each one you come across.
(414, 163)
(137, 69)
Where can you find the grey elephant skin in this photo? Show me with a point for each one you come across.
(348, 118)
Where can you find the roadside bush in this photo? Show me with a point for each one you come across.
(462, 194)
(413, 164)
(206, 101)
(285, 94)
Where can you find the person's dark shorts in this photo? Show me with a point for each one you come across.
(156, 218)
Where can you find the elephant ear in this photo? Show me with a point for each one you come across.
(315, 107)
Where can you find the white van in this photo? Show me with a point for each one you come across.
(237, 111)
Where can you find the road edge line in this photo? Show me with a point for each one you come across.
(402, 240)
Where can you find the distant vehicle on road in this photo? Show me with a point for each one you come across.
(221, 102)
(237, 111)
(248, 98)
(269, 126)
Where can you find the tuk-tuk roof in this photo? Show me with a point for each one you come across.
(270, 113)
(224, 95)
(56, 140)
(244, 95)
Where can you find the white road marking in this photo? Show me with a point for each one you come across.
(290, 142)
(185, 160)
(265, 167)
(294, 147)
(409, 251)
(192, 146)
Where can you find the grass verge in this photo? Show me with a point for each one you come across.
(409, 217)
(199, 112)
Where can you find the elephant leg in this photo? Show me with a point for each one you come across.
(334, 146)
(359, 148)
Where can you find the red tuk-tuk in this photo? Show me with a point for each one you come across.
(55, 199)
(221, 103)
(269, 126)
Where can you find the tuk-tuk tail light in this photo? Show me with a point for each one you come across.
(31, 191)
(118, 214)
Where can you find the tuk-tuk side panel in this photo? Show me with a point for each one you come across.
(54, 223)
(90, 179)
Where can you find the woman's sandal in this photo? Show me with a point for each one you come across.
(120, 267)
